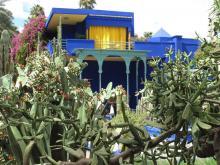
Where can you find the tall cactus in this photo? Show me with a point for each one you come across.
(4, 53)
(59, 36)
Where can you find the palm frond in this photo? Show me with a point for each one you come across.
(2, 2)
(87, 4)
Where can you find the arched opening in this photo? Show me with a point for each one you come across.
(114, 70)
(91, 72)
(135, 79)
(141, 74)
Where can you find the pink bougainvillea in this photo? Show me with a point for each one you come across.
(16, 44)
(24, 43)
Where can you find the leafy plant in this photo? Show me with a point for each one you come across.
(48, 95)
(184, 97)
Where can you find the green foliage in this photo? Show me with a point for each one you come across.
(48, 95)
(145, 36)
(6, 19)
(87, 4)
(36, 11)
(5, 65)
(138, 119)
(199, 161)
(22, 54)
(48, 92)
(214, 20)
(42, 107)
(185, 93)
(2, 2)
(205, 49)
(208, 45)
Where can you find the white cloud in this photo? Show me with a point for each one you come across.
(178, 17)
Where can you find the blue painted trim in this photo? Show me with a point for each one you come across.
(88, 12)
(132, 30)
(49, 18)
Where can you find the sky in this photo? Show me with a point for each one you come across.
(177, 17)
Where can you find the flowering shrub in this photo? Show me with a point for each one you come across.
(24, 43)
(16, 44)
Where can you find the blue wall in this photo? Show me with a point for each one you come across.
(73, 44)
(155, 49)
(91, 73)
(189, 48)
(158, 46)
(74, 31)
(115, 72)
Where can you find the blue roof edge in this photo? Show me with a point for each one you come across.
(87, 12)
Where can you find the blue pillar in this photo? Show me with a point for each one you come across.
(127, 63)
(100, 60)
(178, 43)
(100, 79)
(137, 82)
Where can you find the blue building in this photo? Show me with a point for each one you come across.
(103, 39)
(161, 41)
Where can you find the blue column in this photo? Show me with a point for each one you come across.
(100, 79)
(178, 43)
(127, 63)
(128, 85)
(145, 69)
(137, 74)
(100, 60)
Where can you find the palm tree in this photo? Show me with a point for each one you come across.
(36, 10)
(2, 2)
(214, 19)
(87, 4)
(6, 19)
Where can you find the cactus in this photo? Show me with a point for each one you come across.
(59, 36)
(5, 66)
(38, 43)
(58, 52)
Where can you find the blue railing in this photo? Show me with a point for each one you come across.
(71, 44)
